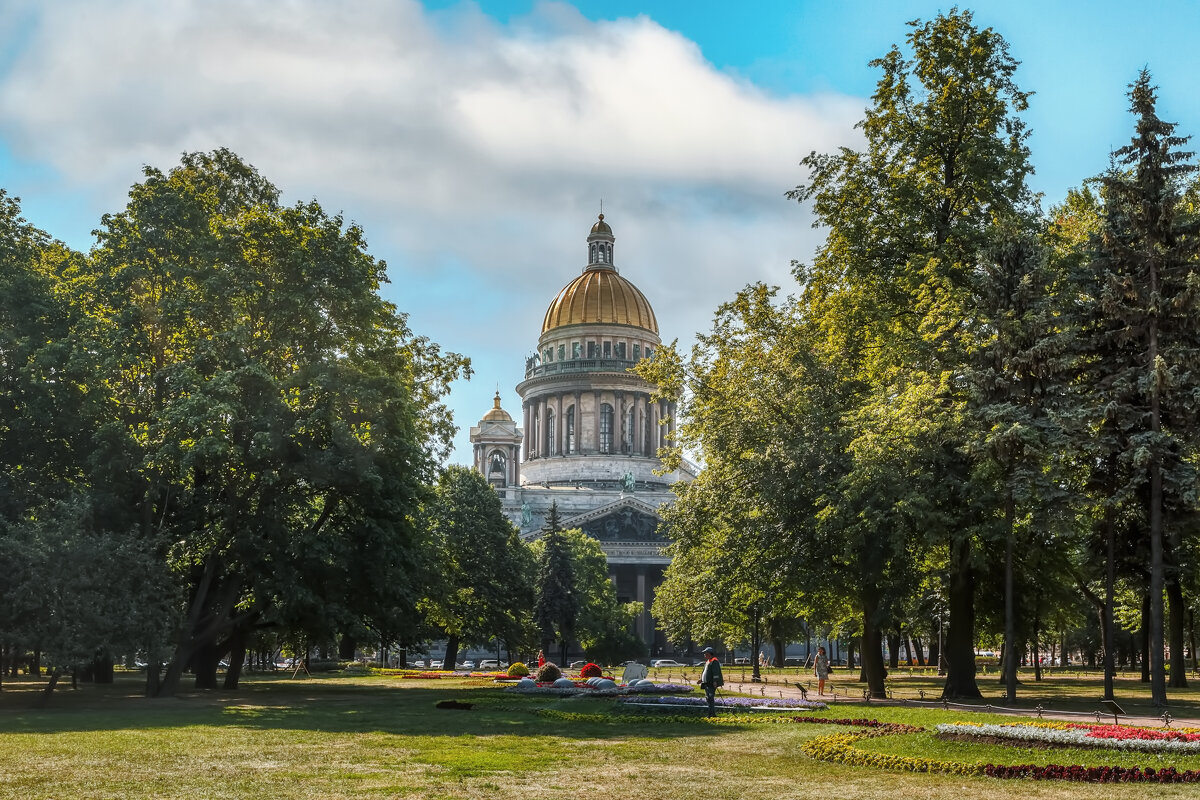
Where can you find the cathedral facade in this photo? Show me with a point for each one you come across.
(590, 429)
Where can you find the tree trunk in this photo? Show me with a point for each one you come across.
(204, 665)
(872, 647)
(960, 637)
(755, 645)
(893, 641)
(402, 657)
(850, 654)
(237, 657)
(780, 652)
(1145, 639)
(102, 669)
(1110, 583)
(1177, 612)
(934, 651)
(35, 664)
(917, 650)
(1009, 665)
(347, 647)
(152, 673)
(1037, 657)
(1191, 636)
(451, 657)
(1158, 684)
(44, 697)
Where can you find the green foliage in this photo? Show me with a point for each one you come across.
(484, 572)
(603, 627)
(216, 393)
(556, 604)
(548, 672)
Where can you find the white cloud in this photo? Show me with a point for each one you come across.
(452, 139)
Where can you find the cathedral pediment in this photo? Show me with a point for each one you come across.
(626, 520)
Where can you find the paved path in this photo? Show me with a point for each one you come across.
(849, 695)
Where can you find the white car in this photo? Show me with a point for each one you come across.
(435, 664)
(468, 664)
(665, 662)
(491, 663)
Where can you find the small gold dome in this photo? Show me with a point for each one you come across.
(496, 413)
(600, 296)
(601, 226)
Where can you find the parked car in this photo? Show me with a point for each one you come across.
(419, 664)
(435, 664)
(665, 662)
(468, 664)
(578, 664)
(742, 661)
(491, 663)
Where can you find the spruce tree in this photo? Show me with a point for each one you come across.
(1143, 262)
(556, 607)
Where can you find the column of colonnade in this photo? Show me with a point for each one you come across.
(653, 424)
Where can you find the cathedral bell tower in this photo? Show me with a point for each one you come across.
(497, 444)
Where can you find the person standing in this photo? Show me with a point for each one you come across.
(541, 659)
(711, 678)
(821, 669)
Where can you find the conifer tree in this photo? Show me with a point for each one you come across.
(1143, 265)
(1017, 375)
(556, 607)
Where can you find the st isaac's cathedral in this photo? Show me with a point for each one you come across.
(590, 431)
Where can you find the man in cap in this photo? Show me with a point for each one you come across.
(711, 678)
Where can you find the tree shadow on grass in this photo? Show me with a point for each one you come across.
(340, 706)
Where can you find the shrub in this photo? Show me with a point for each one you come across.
(548, 672)
(591, 670)
(518, 670)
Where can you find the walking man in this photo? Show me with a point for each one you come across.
(711, 678)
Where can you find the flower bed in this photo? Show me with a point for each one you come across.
(658, 688)
(841, 748)
(1107, 737)
(585, 688)
(562, 691)
(636, 715)
(735, 702)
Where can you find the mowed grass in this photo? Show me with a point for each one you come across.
(381, 736)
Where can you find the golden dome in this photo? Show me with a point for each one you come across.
(601, 226)
(600, 296)
(496, 413)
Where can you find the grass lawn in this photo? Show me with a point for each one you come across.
(381, 736)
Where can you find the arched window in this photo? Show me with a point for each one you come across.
(571, 429)
(549, 432)
(593, 254)
(606, 428)
(497, 466)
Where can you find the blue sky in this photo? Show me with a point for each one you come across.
(474, 141)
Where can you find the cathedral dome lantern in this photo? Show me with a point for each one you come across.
(600, 245)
